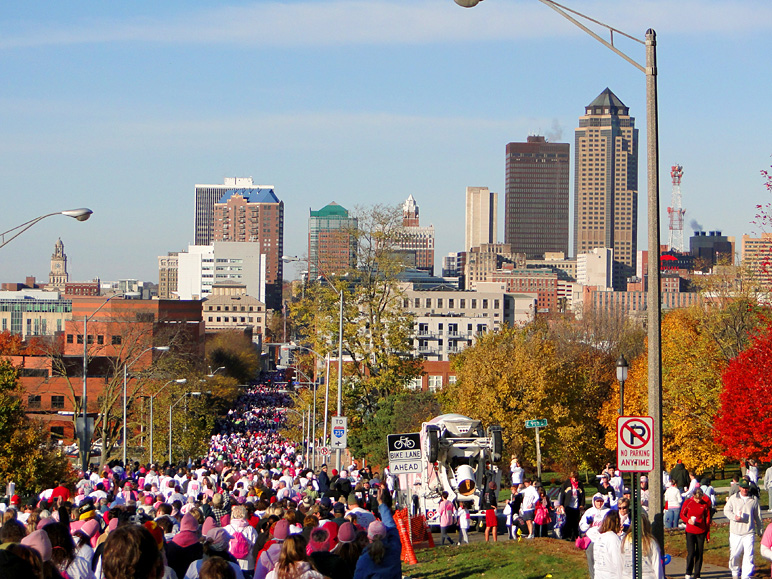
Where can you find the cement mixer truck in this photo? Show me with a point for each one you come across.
(458, 457)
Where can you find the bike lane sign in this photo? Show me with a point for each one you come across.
(635, 443)
(404, 452)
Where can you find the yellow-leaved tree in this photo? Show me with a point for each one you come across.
(692, 364)
(515, 375)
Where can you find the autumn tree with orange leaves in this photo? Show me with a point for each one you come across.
(692, 364)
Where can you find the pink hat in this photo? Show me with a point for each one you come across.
(220, 538)
(113, 524)
(189, 523)
(347, 533)
(207, 526)
(323, 545)
(281, 530)
(43, 522)
(39, 541)
(90, 528)
(376, 529)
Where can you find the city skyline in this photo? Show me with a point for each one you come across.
(122, 109)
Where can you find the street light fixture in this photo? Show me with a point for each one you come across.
(622, 377)
(183, 397)
(653, 301)
(178, 381)
(125, 380)
(85, 443)
(80, 214)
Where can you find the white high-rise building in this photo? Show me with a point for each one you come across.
(481, 220)
(596, 268)
(202, 266)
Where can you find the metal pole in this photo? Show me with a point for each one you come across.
(621, 398)
(125, 372)
(340, 368)
(654, 303)
(538, 455)
(326, 398)
(313, 436)
(84, 401)
(151, 429)
(170, 434)
(635, 521)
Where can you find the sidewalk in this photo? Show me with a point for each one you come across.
(676, 569)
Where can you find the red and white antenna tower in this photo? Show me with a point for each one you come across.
(675, 212)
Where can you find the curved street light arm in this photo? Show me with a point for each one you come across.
(79, 214)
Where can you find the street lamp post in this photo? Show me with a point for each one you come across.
(178, 381)
(80, 214)
(653, 301)
(183, 397)
(125, 380)
(622, 377)
(86, 434)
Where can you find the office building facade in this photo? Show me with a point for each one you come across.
(416, 240)
(536, 197)
(255, 215)
(606, 184)
(481, 217)
(331, 241)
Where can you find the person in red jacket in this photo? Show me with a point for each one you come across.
(696, 514)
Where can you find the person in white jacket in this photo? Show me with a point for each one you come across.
(238, 524)
(607, 551)
(590, 524)
(651, 563)
(744, 515)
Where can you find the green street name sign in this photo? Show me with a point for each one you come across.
(541, 423)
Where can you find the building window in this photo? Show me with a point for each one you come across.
(485, 304)
(116, 340)
(474, 304)
(415, 384)
(57, 402)
(435, 383)
(451, 303)
(33, 401)
(80, 338)
(100, 339)
(452, 380)
(70, 339)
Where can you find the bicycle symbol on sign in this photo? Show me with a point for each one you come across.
(404, 442)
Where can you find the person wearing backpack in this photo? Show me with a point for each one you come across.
(243, 540)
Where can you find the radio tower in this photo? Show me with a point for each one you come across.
(676, 238)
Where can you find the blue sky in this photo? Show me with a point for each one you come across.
(123, 107)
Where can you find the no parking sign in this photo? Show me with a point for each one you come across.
(635, 443)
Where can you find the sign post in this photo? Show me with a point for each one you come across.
(405, 454)
(635, 454)
(339, 432)
(537, 424)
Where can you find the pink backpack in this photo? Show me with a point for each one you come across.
(239, 546)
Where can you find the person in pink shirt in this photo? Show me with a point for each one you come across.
(446, 512)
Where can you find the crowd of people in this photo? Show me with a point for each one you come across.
(249, 509)
(252, 509)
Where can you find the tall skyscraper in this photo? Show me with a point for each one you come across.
(331, 241)
(481, 220)
(536, 211)
(417, 240)
(207, 195)
(606, 184)
(255, 215)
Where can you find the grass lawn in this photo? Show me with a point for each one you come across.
(534, 559)
(716, 552)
